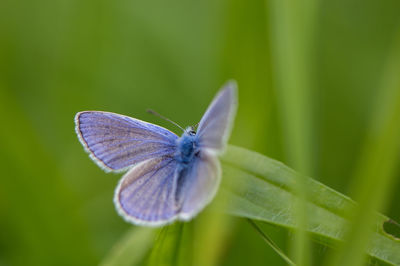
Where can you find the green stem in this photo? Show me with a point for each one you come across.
(271, 243)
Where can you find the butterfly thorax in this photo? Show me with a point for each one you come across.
(187, 147)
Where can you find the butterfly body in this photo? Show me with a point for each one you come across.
(169, 177)
(187, 147)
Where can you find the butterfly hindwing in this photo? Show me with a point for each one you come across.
(199, 184)
(146, 194)
(116, 142)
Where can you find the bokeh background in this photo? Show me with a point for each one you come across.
(64, 56)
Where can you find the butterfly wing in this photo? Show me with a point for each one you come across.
(116, 142)
(215, 126)
(146, 194)
(198, 185)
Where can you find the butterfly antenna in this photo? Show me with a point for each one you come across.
(150, 111)
(195, 126)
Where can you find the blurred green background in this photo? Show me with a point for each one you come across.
(59, 57)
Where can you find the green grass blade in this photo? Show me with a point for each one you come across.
(259, 188)
(166, 250)
(271, 243)
(132, 248)
(212, 231)
(292, 38)
(378, 164)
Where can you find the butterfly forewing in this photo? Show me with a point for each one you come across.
(116, 142)
(215, 126)
(146, 194)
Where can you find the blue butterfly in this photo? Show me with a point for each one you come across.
(170, 177)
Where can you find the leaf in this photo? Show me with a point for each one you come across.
(258, 188)
(132, 247)
(261, 188)
(377, 166)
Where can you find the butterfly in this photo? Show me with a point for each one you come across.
(169, 177)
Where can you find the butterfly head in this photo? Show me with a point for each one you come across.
(190, 131)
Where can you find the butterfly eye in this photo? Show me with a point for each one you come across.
(192, 132)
